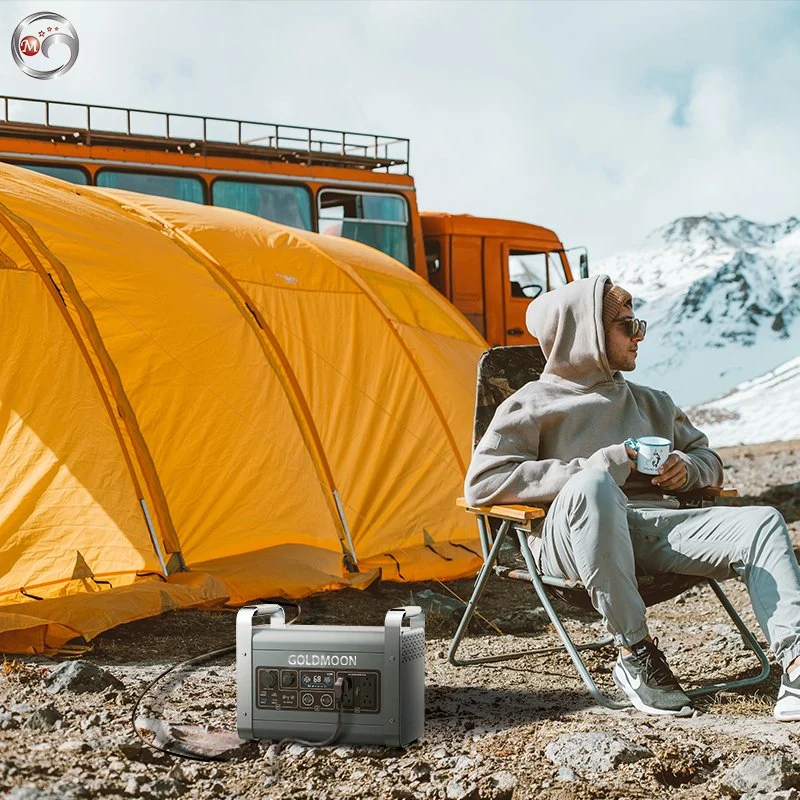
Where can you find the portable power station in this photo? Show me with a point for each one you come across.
(286, 677)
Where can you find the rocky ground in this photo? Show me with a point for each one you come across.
(519, 730)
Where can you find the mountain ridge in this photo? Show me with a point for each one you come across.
(721, 295)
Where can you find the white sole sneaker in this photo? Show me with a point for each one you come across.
(621, 679)
(787, 709)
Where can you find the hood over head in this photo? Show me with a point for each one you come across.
(568, 322)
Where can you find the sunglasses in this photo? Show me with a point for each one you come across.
(633, 327)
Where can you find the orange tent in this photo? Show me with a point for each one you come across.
(199, 405)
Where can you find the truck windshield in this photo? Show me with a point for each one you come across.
(379, 220)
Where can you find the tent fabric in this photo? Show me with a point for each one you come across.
(269, 411)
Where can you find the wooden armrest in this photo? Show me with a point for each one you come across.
(517, 513)
(708, 491)
(720, 491)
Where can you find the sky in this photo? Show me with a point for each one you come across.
(601, 120)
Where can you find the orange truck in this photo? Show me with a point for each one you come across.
(339, 183)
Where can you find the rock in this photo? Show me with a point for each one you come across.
(8, 721)
(69, 790)
(522, 620)
(759, 774)
(566, 774)
(30, 793)
(132, 786)
(44, 718)
(178, 773)
(434, 603)
(142, 754)
(588, 753)
(72, 746)
(89, 722)
(461, 790)
(788, 794)
(81, 676)
(463, 763)
(420, 772)
(168, 787)
(504, 784)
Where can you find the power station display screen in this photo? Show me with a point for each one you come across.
(317, 680)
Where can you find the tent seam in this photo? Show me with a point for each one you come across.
(113, 382)
(266, 338)
(393, 326)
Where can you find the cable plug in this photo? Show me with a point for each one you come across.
(342, 682)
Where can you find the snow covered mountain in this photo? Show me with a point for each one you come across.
(722, 299)
(766, 409)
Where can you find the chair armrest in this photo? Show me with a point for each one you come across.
(720, 491)
(516, 513)
(708, 491)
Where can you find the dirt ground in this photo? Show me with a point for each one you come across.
(487, 727)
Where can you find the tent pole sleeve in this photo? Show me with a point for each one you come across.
(153, 536)
(344, 525)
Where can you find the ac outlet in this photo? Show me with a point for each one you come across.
(369, 692)
(361, 693)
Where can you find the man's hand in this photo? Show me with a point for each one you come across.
(672, 474)
(631, 457)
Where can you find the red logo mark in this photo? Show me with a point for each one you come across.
(29, 46)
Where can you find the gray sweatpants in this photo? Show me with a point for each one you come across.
(592, 534)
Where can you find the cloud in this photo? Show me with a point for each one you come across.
(602, 120)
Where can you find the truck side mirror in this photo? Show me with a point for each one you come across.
(583, 263)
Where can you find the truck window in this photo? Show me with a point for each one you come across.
(179, 188)
(288, 205)
(69, 174)
(527, 273)
(379, 220)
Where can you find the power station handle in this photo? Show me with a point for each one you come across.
(515, 331)
(276, 614)
(414, 615)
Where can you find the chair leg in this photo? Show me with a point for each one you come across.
(486, 539)
(569, 645)
(489, 561)
(469, 612)
(749, 640)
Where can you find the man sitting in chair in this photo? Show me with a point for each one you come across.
(561, 440)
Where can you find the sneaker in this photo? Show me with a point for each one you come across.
(646, 678)
(787, 707)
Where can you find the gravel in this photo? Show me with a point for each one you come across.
(512, 731)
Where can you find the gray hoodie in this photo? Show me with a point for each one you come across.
(578, 414)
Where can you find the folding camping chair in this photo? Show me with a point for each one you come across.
(501, 371)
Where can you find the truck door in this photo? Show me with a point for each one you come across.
(528, 271)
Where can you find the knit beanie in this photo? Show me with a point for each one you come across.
(614, 299)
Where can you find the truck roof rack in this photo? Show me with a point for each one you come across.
(59, 121)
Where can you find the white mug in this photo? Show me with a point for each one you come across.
(651, 453)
